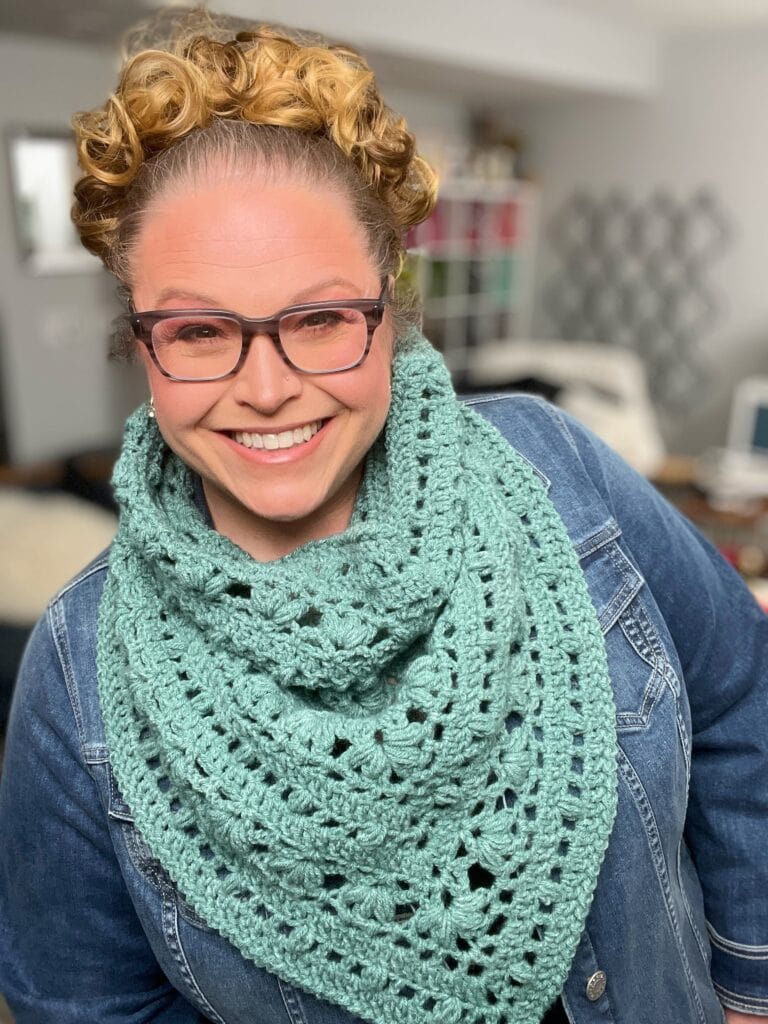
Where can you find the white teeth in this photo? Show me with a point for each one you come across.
(285, 439)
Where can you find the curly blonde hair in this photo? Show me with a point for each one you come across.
(285, 101)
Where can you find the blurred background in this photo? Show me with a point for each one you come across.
(601, 239)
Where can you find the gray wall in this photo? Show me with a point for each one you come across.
(706, 127)
(60, 394)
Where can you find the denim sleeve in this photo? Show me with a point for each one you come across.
(72, 950)
(721, 636)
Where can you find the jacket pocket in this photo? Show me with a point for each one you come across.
(639, 663)
(142, 858)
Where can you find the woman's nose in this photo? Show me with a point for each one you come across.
(265, 381)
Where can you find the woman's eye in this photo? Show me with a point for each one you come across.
(321, 318)
(197, 332)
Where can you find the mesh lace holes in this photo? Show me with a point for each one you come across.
(477, 809)
(164, 784)
(175, 805)
(206, 852)
(379, 736)
(578, 740)
(484, 705)
(461, 944)
(333, 776)
(270, 779)
(356, 969)
(334, 881)
(577, 765)
(426, 954)
(237, 589)
(451, 962)
(222, 871)
(474, 970)
(200, 770)
(491, 997)
(333, 957)
(479, 877)
(416, 715)
(555, 874)
(407, 992)
(192, 692)
(311, 617)
(153, 763)
(563, 847)
(340, 744)
(505, 896)
(437, 732)
(404, 911)
(429, 1004)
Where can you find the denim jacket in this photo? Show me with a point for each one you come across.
(93, 931)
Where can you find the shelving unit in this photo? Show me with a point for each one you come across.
(474, 266)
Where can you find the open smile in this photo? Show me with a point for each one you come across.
(280, 439)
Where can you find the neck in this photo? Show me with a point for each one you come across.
(266, 540)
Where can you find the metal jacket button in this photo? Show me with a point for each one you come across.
(596, 985)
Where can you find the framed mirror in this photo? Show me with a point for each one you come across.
(44, 169)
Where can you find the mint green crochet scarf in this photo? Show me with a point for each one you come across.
(383, 766)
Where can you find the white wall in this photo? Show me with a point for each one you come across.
(706, 127)
(60, 394)
(538, 40)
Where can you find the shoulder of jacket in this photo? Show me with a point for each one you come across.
(535, 428)
(89, 580)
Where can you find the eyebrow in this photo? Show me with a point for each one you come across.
(175, 294)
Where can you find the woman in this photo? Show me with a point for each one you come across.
(380, 707)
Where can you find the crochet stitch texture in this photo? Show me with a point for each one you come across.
(384, 765)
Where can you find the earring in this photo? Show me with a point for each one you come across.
(151, 409)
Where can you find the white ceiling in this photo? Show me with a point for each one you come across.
(104, 20)
(677, 15)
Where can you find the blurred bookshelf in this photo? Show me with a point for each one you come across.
(473, 266)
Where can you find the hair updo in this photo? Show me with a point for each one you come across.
(269, 98)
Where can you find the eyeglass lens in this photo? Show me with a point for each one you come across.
(317, 341)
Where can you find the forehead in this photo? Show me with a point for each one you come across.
(251, 233)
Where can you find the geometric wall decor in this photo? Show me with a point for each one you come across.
(637, 274)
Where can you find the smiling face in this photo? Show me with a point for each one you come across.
(255, 248)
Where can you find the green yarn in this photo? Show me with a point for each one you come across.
(383, 766)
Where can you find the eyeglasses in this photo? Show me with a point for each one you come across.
(211, 344)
